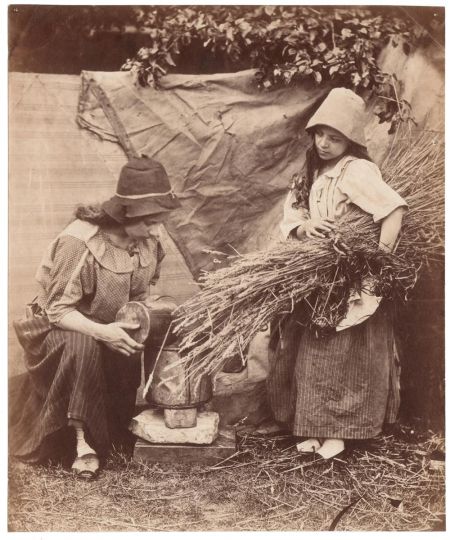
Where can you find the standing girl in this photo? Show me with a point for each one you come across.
(345, 385)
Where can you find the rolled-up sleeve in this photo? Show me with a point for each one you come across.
(364, 186)
(292, 217)
(68, 272)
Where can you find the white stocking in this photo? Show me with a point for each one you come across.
(82, 446)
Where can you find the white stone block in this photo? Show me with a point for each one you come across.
(150, 426)
(180, 418)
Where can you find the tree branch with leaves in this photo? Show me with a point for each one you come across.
(286, 44)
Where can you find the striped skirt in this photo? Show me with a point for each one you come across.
(345, 385)
(70, 376)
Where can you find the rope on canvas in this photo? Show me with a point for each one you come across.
(113, 118)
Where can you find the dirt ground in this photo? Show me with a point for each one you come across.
(395, 482)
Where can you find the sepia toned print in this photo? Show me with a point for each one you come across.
(226, 292)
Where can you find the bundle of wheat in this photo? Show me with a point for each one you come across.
(237, 301)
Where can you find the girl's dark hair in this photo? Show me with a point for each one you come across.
(94, 213)
(302, 182)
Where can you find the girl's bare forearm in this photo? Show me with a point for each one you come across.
(390, 229)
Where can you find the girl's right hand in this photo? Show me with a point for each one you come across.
(316, 228)
(114, 337)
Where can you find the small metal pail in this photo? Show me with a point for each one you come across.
(171, 387)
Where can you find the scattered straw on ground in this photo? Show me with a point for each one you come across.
(391, 484)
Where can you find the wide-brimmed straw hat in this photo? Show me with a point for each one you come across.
(143, 189)
(343, 110)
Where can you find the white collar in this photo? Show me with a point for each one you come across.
(337, 169)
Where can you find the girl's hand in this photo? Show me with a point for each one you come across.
(114, 337)
(340, 247)
(316, 228)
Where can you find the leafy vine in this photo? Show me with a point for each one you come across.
(287, 45)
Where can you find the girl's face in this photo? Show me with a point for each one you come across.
(330, 143)
(143, 227)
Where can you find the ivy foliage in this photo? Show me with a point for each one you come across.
(287, 45)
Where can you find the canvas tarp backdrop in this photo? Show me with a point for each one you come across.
(230, 149)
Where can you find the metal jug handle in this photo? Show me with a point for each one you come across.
(150, 377)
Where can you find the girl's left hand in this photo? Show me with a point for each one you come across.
(340, 247)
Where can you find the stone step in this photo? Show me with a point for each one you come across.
(222, 448)
(150, 426)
